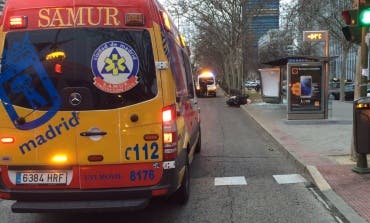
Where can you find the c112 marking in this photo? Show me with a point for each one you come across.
(149, 153)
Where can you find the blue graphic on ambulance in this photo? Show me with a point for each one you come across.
(15, 80)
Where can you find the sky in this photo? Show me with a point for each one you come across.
(162, 2)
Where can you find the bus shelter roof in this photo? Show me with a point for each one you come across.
(301, 58)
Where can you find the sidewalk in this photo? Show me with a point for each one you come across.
(323, 148)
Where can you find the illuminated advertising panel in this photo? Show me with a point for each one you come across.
(305, 88)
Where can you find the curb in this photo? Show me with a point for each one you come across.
(319, 180)
(350, 214)
(335, 200)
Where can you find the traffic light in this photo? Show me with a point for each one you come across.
(352, 32)
(355, 19)
(350, 17)
(364, 16)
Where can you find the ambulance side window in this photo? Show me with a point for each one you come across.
(189, 75)
(177, 67)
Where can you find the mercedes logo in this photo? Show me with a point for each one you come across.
(75, 99)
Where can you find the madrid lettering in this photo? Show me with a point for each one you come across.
(51, 133)
(80, 16)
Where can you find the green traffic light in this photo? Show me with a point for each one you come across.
(365, 17)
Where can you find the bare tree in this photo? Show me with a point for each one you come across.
(323, 15)
(221, 40)
(277, 45)
(219, 29)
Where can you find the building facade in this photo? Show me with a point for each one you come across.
(262, 17)
(259, 17)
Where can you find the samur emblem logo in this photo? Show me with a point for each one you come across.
(115, 66)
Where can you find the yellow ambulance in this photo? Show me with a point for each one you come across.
(98, 107)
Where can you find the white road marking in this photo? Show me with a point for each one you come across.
(227, 181)
(289, 179)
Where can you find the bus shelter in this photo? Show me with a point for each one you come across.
(306, 86)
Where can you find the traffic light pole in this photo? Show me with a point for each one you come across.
(364, 50)
(321, 36)
(326, 91)
(362, 166)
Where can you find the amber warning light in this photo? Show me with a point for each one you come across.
(59, 158)
(18, 22)
(134, 19)
(363, 105)
(166, 20)
(7, 140)
(55, 55)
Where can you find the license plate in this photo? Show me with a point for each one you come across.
(41, 178)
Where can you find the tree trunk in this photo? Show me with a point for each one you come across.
(345, 50)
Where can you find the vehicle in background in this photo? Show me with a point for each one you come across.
(256, 84)
(368, 90)
(206, 84)
(334, 89)
(349, 91)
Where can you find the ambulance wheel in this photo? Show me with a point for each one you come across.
(198, 147)
(181, 196)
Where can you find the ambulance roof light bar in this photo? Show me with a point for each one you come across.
(18, 22)
(206, 74)
(134, 19)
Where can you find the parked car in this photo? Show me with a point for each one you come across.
(349, 88)
(253, 85)
(368, 90)
(334, 89)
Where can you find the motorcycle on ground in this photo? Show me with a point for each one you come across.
(237, 100)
